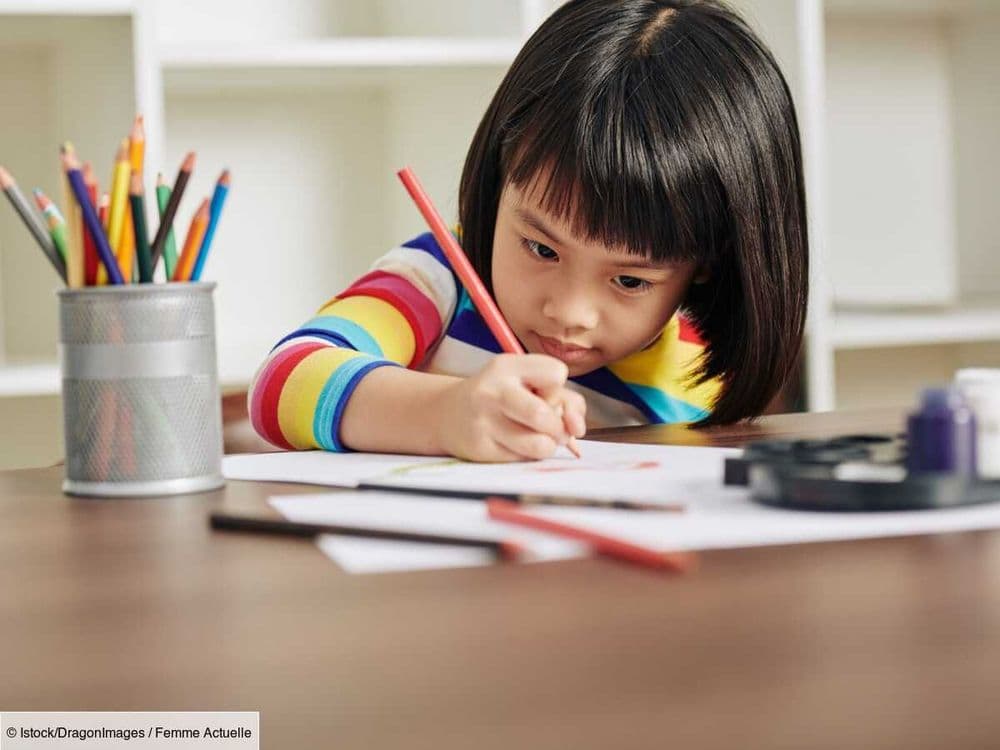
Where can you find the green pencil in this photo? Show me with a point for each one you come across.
(56, 222)
(170, 248)
(137, 200)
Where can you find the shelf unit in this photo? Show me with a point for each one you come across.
(913, 151)
(314, 104)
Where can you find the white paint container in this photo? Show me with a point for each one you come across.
(981, 388)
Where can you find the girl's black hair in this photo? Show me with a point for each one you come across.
(664, 127)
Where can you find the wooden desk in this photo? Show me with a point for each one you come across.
(136, 605)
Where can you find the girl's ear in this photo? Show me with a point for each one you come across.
(701, 275)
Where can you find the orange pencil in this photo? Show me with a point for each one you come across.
(500, 509)
(192, 243)
(470, 279)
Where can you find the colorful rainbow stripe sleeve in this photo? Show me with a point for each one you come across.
(392, 316)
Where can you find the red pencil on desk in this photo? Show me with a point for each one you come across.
(470, 279)
(510, 512)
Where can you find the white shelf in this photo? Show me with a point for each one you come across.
(866, 330)
(66, 7)
(910, 8)
(357, 52)
(30, 379)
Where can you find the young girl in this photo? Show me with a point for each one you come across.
(633, 199)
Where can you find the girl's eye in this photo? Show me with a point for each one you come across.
(632, 283)
(540, 251)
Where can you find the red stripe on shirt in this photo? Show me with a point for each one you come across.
(264, 412)
(688, 332)
(419, 311)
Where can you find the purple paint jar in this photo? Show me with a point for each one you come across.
(941, 435)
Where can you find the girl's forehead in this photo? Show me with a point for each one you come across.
(526, 206)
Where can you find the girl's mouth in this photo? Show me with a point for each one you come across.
(568, 353)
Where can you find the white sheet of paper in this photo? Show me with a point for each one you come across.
(430, 515)
(725, 517)
(642, 472)
(316, 467)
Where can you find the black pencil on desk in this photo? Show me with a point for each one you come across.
(504, 550)
(570, 501)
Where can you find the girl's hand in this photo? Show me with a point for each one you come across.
(516, 408)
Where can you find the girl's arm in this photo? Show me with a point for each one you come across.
(503, 413)
(338, 382)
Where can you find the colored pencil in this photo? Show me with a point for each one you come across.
(34, 224)
(170, 246)
(504, 510)
(55, 220)
(119, 196)
(569, 501)
(90, 260)
(119, 230)
(136, 158)
(466, 273)
(103, 206)
(183, 175)
(503, 550)
(218, 199)
(75, 179)
(196, 233)
(137, 145)
(74, 230)
(137, 202)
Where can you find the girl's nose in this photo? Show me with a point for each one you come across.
(571, 310)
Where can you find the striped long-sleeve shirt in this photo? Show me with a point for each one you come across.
(411, 310)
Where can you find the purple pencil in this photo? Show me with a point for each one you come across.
(72, 166)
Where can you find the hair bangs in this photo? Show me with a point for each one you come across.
(612, 179)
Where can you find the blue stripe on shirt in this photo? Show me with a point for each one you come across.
(340, 332)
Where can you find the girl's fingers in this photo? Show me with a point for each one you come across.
(540, 372)
(573, 409)
(524, 442)
(499, 454)
(531, 411)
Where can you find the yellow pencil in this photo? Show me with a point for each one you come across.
(136, 157)
(75, 277)
(119, 201)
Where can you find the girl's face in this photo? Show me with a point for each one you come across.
(586, 304)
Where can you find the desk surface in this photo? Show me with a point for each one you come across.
(136, 605)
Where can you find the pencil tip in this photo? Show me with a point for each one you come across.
(6, 180)
(160, 182)
(224, 178)
(135, 183)
(188, 164)
(122, 153)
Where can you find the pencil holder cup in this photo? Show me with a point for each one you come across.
(141, 408)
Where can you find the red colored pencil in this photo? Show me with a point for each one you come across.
(460, 264)
(90, 259)
(500, 509)
(466, 273)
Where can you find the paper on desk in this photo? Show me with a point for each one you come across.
(316, 467)
(670, 474)
(726, 517)
(429, 515)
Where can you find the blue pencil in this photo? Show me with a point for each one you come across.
(72, 166)
(218, 198)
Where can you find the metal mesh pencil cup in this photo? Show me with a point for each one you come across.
(141, 408)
